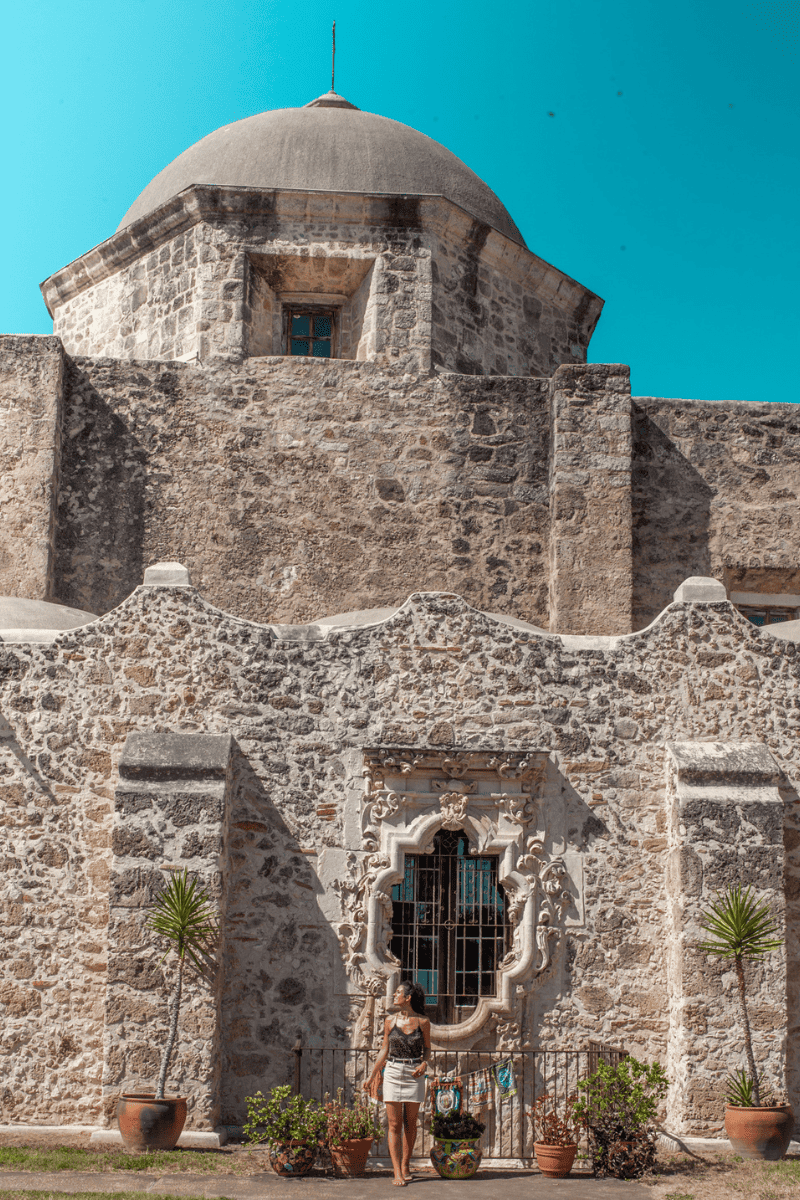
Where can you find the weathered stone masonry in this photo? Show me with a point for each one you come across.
(301, 710)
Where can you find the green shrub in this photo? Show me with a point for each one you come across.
(276, 1118)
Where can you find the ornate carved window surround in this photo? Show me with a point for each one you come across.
(409, 795)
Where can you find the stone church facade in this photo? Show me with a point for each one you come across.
(326, 555)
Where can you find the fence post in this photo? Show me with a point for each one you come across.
(297, 1051)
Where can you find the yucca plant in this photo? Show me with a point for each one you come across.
(741, 929)
(183, 914)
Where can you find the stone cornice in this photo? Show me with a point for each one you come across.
(205, 203)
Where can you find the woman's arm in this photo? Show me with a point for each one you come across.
(382, 1057)
(425, 1026)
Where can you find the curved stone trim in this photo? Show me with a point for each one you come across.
(409, 796)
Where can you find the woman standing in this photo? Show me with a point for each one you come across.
(405, 1050)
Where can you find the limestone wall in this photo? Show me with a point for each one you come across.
(209, 273)
(505, 315)
(31, 392)
(715, 490)
(298, 488)
(301, 711)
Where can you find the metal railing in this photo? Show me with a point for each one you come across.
(321, 1070)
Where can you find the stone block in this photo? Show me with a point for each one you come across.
(701, 590)
(167, 574)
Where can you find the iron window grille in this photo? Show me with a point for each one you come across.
(450, 927)
(310, 332)
(767, 614)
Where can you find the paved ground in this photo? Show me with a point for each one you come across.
(487, 1185)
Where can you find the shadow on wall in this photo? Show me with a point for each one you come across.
(100, 517)
(671, 519)
(791, 841)
(281, 951)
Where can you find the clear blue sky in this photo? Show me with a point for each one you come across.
(666, 180)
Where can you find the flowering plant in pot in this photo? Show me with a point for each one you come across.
(294, 1128)
(351, 1130)
(184, 916)
(556, 1130)
(456, 1152)
(618, 1106)
(742, 930)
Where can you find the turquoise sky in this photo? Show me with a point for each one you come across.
(648, 149)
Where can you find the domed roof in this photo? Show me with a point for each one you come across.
(328, 146)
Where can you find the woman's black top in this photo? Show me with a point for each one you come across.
(408, 1046)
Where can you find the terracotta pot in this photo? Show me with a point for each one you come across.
(457, 1159)
(149, 1124)
(292, 1158)
(350, 1156)
(760, 1132)
(554, 1161)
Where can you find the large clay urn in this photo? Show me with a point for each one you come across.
(760, 1132)
(149, 1124)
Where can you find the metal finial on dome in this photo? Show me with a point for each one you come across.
(333, 60)
(331, 100)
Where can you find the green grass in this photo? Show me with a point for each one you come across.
(787, 1171)
(679, 1196)
(18, 1195)
(73, 1158)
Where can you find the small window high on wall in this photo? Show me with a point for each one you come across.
(768, 614)
(450, 926)
(310, 332)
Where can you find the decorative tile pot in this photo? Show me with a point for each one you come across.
(350, 1157)
(760, 1132)
(292, 1158)
(149, 1124)
(457, 1159)
(554, 1161)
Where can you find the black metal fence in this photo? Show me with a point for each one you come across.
(319, 1070)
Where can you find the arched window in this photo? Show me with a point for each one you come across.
(450, 926)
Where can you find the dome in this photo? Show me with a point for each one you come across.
(327, 146)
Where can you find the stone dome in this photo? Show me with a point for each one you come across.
(327, 146)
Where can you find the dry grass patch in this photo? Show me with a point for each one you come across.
(724, 1177)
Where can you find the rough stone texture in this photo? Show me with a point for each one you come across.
(301, 711)
(171, 811)
(590, 501)
(207, 276)
(31, 381)
(292, 488)
(715, 489)
(726, 827)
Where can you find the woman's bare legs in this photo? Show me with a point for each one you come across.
(394, 1114)
(410, 1112)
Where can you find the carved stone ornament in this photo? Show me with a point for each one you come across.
(409, 796)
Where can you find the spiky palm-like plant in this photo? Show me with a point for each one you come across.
(742, 929)
(184, 915)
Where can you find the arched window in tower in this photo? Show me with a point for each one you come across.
(450, 926)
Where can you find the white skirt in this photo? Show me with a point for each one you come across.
(400, 1086)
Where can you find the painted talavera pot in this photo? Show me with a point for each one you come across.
(554, 1161)
(350, 1157)
(760, 1132)
(149, 1124)
(457, 1159)
(292, 1158)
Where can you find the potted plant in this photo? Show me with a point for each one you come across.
(618, 1106)
(351, 1130)
(294, 1129)
(742, 930)
(456, 1151)
(183, 914)
(555, 1134)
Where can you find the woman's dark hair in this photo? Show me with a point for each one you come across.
(416, 995)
